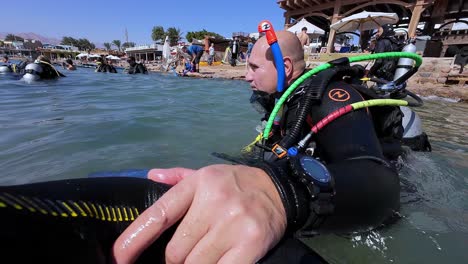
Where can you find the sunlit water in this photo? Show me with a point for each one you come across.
(90, 122)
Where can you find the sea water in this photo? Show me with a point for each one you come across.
(90, 122)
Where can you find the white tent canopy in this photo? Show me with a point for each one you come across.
(81, 55)
(112, 57)
(364, 21)
(311, 28)
(166, 52)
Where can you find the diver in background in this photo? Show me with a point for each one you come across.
(68, 65)
(41, 69)
(134, 67)
(6, 66)
(104, 67)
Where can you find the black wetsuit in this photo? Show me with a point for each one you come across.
(77, 221)
(106, 68)
(366, 186)
(385, 68)
(48, 72)
(137, 68)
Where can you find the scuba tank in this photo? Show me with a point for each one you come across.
(405, 64)
(5, 69)
(33, 72)
(413, 135)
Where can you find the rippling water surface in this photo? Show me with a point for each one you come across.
(92, 122)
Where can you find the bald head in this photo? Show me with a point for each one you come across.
(261, 73)
(290, 47)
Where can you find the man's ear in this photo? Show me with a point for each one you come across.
(288, 66)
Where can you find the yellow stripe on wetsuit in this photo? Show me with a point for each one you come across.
(35, 205)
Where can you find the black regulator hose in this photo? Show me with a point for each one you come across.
(419, 101)
(78, 220)
(313, 92)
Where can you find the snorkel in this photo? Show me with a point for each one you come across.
(266, 27)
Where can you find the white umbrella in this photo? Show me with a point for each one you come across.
(82, 55)
(364, 21)
(112, 57)
(94, 56)
(311, 28)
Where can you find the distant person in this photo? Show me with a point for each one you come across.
(235, 48)
(211, 54)
(303, 37)
(184, 67)
(6, 65)
(206, 42)
(196, 52)
(41, 69)
(5, 59)
(104, 67)
(249, 48)
(461, 58)
(385, 42)
(68, 65)
(134, 67)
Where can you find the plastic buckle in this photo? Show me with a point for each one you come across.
(279, 151)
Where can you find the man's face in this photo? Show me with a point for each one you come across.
(379, 32)
(261, 71)
(4, 60)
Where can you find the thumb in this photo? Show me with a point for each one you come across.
(169, 176)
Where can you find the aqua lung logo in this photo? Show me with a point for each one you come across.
(266, 26)
(339, 95)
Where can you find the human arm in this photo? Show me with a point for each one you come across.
(228, 214)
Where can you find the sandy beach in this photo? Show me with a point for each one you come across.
(455, 91)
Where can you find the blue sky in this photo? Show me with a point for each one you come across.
(104, 21)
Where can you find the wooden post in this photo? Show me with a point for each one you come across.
(335, 17)
(417, 11)
(287, 21)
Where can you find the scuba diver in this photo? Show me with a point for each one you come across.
(68, 65)
(386, 72)
(9, 67)
(6, 66)
(135, 67)
(104, 67)
(41, 69)
(321, 168)
(235, 48)
(386, 42)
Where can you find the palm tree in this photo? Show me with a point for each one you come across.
(175, 35)
(117, 43)
(107, 45)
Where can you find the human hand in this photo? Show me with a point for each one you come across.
(230, 214)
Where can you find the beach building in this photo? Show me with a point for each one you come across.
(55, 52)
(151, 52)
(432, 17)
(17, 48)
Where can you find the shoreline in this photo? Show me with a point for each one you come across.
(453, 91)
